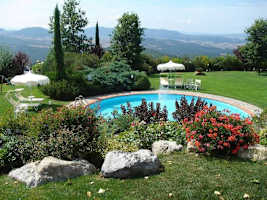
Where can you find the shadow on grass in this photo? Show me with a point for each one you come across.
(262, 74)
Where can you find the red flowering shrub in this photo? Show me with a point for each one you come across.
(215, 132)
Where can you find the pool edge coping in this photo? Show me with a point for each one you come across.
(251, 109)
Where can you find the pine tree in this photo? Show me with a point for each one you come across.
(59, 55)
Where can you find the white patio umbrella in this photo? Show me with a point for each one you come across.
(30, 79)
(171, 66)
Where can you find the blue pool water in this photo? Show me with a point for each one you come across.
(107, 106)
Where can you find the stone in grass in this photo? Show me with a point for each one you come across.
(165, 147)
(119, 164)
(255, 152)
(51, 169)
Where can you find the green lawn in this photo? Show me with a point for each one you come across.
(186, 177)
(245, 86)
(5, 106)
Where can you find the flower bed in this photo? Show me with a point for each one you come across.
(216, 132)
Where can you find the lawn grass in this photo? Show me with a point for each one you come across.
(6, 107)
(245, 86)
(186, 177)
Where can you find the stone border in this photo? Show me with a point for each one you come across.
(248, 108)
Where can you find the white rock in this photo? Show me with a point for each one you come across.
(165, 147)
(255, 152)
(119, 164)
(51, 169)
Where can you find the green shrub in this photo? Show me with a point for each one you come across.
(37, 67)
(260, 121)
(12, 126)
(263, 137)
(15, 151)
(115, 144)
(141, 83)
(68, 133)
(143, 135)
(61, 90)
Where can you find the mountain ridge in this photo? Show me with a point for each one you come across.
(164, 42)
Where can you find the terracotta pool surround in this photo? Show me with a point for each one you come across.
(248, 108)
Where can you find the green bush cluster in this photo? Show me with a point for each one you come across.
(115, 77)
(67, 133)
(263, 137)
(143, 135)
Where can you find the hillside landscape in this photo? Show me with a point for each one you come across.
(36, 41)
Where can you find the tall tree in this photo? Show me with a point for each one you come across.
(255, 51)
(5, 61)
(97, 50)
(59, 55)
(73, 22)
(127, 39)
(97, 42)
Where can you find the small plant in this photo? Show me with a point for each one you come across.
(146, 112)
(143, 135)
(185, 110)
(263, 137)
(215, 132)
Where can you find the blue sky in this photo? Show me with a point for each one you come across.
(190, 16)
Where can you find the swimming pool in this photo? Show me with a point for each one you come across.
(107, 106)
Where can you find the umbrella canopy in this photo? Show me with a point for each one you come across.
(30, 79)
(170, 66)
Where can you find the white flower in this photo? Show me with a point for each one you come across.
(100, 191)
(246, 196)
(170, 195)
(89, 194)
(217, 193)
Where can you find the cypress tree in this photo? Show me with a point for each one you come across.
(97, 50)
(97, 43)
(59, 55)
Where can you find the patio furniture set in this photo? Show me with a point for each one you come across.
(21, 103)
(190, 84)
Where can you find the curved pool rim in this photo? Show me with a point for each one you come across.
(250, 109)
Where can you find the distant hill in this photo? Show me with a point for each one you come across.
(36, 41)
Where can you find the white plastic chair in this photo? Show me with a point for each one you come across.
(197, 84)
(178, 82)
(164, 82)
(189, 84)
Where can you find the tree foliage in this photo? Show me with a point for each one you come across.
(255, 51)
(59, 55)
(73, 22)
(5, 61)
(19, 63)
(127, 39)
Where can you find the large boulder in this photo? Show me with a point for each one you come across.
(119, 164)
(51, 169)
(165, 147)
(255, 152)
